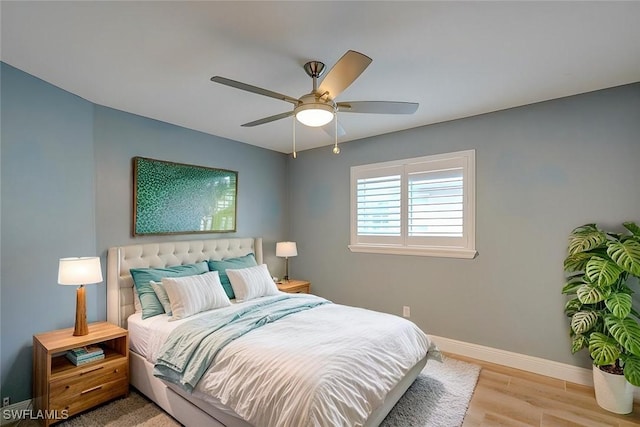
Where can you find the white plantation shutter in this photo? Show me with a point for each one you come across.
(378, 206)
(436, 206)
(421, 206)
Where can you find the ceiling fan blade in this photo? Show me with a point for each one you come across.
(378, 107)
(330, 129)
(343, 73)
(268, 119)
(254, 89)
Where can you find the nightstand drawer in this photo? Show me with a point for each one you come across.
(89, 378)
(90, 396)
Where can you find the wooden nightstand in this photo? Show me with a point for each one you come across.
(295, 286)
(62, 389)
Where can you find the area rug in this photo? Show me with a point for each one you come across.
(439, 397)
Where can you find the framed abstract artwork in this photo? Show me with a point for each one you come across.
(175, 198)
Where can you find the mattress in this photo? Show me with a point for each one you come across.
(270, 376)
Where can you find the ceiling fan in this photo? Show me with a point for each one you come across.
(319, 107)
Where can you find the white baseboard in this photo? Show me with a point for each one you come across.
(14, 412)
(536, 365)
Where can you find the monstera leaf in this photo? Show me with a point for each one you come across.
(626, 331)
(591, 294)
(585, 238)
(602, 272)
(583, 321)
(576, 262)
(626, 255)
(604, 350)
(632, 369)
(572, 307)
(572, 286)
(578, 343)
(619, 304)
(632, 227)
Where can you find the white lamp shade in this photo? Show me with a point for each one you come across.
(79, 271)
(286, 249)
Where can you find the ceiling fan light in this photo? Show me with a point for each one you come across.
(315, 114)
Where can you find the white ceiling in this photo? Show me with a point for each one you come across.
(457, 59)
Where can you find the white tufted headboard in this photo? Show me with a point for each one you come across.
(158, 255)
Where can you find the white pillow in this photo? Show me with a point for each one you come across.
(192, 294)
(252, 282)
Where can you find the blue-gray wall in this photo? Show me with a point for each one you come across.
(48, 212)
(66, 191)
(542, 170)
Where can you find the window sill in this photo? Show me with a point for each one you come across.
(415, 250)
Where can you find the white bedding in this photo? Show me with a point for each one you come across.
(330, 365)
(146, 336)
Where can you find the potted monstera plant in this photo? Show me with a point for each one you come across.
(602, 269)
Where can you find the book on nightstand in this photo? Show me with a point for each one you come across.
(82, 355)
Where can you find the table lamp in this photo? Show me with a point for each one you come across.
(286, 250)
(80, 271)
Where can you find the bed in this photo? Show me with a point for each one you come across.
(197, 407)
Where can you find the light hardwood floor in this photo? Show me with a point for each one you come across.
(510, 397)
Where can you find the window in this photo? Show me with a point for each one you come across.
(421, 206)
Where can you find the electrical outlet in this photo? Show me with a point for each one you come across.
(406, 311)
(5, 401)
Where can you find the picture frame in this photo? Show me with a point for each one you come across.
(177, 198)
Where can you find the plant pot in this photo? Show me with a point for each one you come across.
(613, 392)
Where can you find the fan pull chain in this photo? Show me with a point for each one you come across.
(336, 149)
(294, 138)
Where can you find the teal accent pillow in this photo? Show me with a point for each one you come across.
(233, 263)
(142, 277)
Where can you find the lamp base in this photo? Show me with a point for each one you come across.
(81, 327)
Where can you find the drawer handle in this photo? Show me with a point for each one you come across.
(91, 370)
(91, 389)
